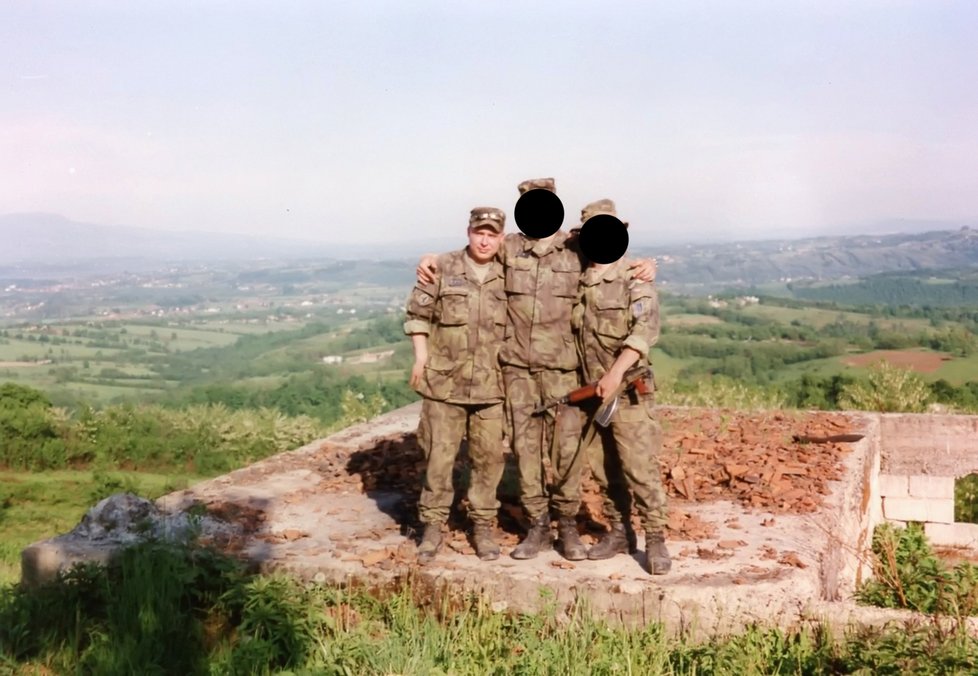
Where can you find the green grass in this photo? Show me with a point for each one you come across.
(817, 367)
(97, 393)
(38, 505)
(164, 609)
(958, 371)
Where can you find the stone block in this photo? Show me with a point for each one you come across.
(928, 486)
(953, 534)
(919, 509)
(894, 485)
(42, 561)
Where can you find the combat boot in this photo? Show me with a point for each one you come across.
(485, 547)
(615, 541)
(430, 543)
(537, 538)
(657, 559)
(570, 541)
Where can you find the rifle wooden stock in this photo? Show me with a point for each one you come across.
(641, 386)
(634, 377)
(582, 394)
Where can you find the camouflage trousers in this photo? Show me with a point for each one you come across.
(624, 460)
(554, 436)
(439, 435)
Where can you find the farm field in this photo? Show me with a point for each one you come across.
(819, 317)
(267, 328)
(921, 361)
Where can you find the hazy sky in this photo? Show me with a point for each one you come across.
(381, 121)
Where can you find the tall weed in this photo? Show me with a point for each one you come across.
(907, 574)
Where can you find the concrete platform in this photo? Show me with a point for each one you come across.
(292, 513)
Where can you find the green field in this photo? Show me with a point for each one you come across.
(957, 371)
(180, 338)
(21, 350)
(688, 319)
(819, 317)
(666, 368)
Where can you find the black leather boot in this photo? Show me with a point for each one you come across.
(615, 541)
(537, 539)
(430, 543)
(485, 546)
(570, 541)
(656, 554)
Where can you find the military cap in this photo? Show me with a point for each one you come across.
(603, 207)
(491, 216)
(534, 183)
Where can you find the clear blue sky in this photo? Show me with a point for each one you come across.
(380, 121)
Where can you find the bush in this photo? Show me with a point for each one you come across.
(907, 574)
(720, 392)
(29, 438)
(888, 389)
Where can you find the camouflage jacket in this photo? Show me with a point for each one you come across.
(614, 312)
(541, 289)
(464, 321)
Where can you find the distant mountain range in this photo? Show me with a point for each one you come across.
(53, 240)
(815, 258)
(51, 245)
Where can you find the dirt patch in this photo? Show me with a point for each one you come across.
(922, 362)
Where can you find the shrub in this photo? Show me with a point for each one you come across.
(888, 389)
(907, 574)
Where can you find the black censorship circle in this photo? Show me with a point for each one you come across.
(603, 238)
(538, 213)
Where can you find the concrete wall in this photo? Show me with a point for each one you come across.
(921, 456)
(852, 511)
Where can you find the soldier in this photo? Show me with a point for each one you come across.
(616, 322)
(456, 325)
(539, 362)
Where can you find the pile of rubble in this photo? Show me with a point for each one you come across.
(776, 461)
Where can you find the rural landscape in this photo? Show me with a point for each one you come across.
(150, 377)
(211, 220)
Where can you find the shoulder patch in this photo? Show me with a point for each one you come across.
(639, 308)
(421, 298)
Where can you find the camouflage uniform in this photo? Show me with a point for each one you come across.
(615, 312)
(539, 362)
(462, 385)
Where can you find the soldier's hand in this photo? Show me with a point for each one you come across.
(417, 371)
(644, 270)
(608, 384)
(427, 269)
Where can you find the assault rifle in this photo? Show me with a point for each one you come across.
(634, 377)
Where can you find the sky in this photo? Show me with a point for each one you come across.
(364, 121)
